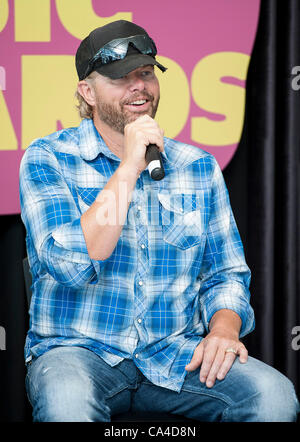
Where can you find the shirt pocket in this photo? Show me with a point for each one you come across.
(183, 219)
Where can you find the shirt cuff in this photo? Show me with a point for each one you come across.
(70, 237)
(69, 246)
(230, 296)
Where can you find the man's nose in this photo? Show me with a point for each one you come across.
(136, 84)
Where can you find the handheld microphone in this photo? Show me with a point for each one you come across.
(154, 161)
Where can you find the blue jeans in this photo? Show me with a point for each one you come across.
(74, 384)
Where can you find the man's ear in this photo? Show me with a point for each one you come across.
(86, 90)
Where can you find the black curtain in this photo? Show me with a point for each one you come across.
(263, 181)
(14, 318)
(267, 168)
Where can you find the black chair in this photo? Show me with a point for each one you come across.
(124, 417)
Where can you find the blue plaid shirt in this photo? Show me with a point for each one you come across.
(179, 258)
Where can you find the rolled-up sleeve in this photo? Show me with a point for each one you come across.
(52, 219)
(225, 276)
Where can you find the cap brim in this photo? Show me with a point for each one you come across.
(120, 68)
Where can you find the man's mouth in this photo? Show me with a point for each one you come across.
(138, 105)
(137, 102)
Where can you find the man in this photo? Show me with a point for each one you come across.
(140, 287)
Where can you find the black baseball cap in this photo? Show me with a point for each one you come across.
(115, 69)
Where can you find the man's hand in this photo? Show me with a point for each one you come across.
(138, 134)
(211, 352)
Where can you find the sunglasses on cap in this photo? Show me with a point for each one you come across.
(117, 50)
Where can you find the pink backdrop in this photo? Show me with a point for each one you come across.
(184, 31)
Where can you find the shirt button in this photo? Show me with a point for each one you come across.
(140, 283)
(143, 246)
(181, 209)
(136, 355)
(139, 320)
(139, 207)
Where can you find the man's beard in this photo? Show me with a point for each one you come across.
(118, 119)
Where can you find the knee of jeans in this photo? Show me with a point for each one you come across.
(67, 397)
(266, 396)
(276, 399)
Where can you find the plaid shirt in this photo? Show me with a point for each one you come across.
(179, 258)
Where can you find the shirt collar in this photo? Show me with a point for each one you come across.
(91, 143)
